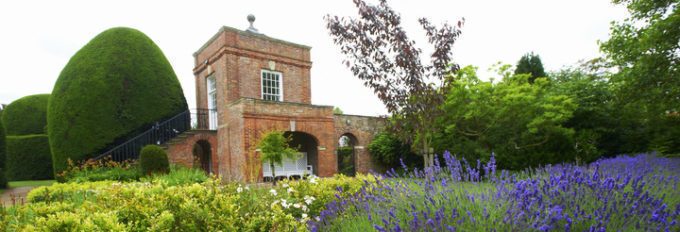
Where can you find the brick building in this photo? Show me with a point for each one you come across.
(248, 84)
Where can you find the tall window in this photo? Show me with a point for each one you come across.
(272, 86)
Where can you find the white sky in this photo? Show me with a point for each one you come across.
(39, 37)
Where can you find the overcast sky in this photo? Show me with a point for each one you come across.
(39, 37)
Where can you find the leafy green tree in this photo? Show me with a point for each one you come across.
(530, 63)
(274, 147)
(387, 150)
(380, 53)
(645, 51)
(337, 110)
(521, 123)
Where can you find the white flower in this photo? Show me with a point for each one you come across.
(317, 218)
(304, 215)
(312, 179)
(247, 188)
(309, 200)
(285, 185)
(290, 190)
(304, 208)
(285, 204)
(239, 189)
(297, 205)
(273, 192)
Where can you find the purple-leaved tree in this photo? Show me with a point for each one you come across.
(379, 53)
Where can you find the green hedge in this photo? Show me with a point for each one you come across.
(26, 116)
(3, 179)
(153, 159)
(114, 87)
(29, 158)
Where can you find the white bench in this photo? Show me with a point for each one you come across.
(289, 168)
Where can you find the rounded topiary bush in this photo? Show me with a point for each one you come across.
(153, 159)
(27, 115)
(111, 89)
(3, 180)
(27, 154)
(28, 158)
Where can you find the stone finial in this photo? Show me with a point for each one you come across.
(251, 20)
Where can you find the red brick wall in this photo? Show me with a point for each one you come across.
(237, 59)
(250, 118)
(363, 128)
(180, 150)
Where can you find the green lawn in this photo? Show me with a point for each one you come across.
(24, 183)
(33, 183)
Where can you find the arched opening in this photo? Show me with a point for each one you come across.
(307, 163)
(203, 156)
(347, 154)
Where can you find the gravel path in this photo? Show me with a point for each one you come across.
(15, 195)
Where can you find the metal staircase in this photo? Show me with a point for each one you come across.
(163, 132)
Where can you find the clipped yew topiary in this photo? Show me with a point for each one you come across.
(153, 159)
(26, 115)
(114, 87)
(27, 154)
(28, 158)
(3, 180)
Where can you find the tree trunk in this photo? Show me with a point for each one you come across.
(271, 165)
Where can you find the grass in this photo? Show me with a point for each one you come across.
(27, 183)
(30, 183)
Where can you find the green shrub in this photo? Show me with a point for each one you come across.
(26, 116)
(100, 170)
(153, 159)
(154, 206)
(111, 89)
(388, 150)
(28, 158)
(180, 175)
(3, 179)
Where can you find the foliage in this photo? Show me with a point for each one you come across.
(274, 147)
(179, 175)
(208, 206)
(388, 150)
(3, 179)
(379, 53)
(337, 110)
(26, 116)
(346, 160)
(153, 159)
(99, 170)
(115, 86)
(646, 50)
(30, 183)
(28, 158)
(521, 123)
(619, 194)
(530, 63)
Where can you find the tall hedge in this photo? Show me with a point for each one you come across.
(28, 158)
(27, 154)
(115, 86)
(26, 115)
(3, 179)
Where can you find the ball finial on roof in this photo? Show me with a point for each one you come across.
(251, 20)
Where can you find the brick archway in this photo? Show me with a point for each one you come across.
(181, 149)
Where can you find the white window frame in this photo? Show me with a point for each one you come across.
(212, 112)
(262, 72)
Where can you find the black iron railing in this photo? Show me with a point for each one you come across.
(158, 134)
(204, 119)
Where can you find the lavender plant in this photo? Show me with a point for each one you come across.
(627, 193)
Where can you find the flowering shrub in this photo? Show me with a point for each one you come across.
(154, 205)
(98, 170)
(621, 194)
